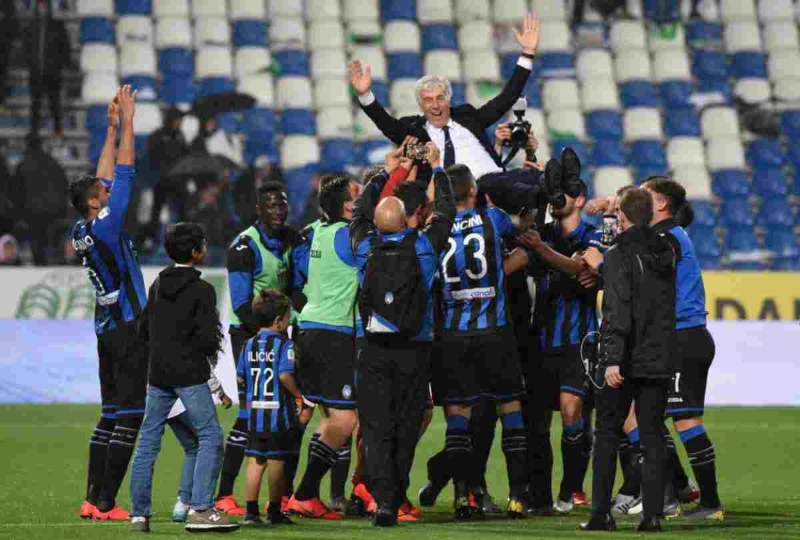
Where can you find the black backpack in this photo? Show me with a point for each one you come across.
(393, 299)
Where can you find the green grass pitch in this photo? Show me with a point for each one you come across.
(43, 472)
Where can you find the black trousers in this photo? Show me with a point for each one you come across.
(516, 189)
(392, 383)
(42, 84)
(612, 406)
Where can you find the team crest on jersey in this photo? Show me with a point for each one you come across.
(290, 354)
(388, 298)
(347, 391)
(103, 213)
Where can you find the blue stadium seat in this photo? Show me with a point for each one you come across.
(259, 122)
(215, 85)
(648, 154)
(604, 125)
(715, 85)
(764, 153)
(97, 30)
(261, 147)
(638, 94)
(96, 141)
(508, 62)
(675, 93)
(741, 238)
(786, 264)
(704, 213)
(709, 65)
(706, 243)
(298, 122)
(748, 64)
(790, 124)
(710, 262)
(460, 94)
(730, 184)
(147, 86)
(776, 211)
(368, 148)
(337, 154)
(701, 34)
(770, 182)
(737, 211)
(575, 144)
(607, 152)
(381, 91)
(228, 122)
(681, 122)
(134, 7)
(640, 174)
(249, 33)
(405, 65)
(661, 12)
(298, 188)
(782, 240)
(96, 118)
(533, 94)
(394, 10)
(176, 61)
(556, 65)
(177, 89)
(293, 62)
(439, 36)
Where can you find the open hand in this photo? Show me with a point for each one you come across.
(126, 101)
(529, 37)
(360, 76)
(433, 155)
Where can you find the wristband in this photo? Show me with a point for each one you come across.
(528, 56)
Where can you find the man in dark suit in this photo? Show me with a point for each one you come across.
(460, 132)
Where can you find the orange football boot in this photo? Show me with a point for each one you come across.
(313, 508)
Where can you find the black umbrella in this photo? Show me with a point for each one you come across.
(201, 164)
(208, 106)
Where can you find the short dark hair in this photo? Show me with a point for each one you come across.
(623, 189)
(334, 191)
(462, 180)
(413, 195)
(268, 305)
(182, 239)
(637, 205)
(82, 189)
(269, 187)
(675, 194)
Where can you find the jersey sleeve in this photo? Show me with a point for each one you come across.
(594, 239)
(240, 365)
(300, 257)
(344, 250)
(111, 219)
(241, 264)
(286, 364)
(502, 222)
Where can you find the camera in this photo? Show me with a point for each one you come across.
(520, 128)
(417, 152)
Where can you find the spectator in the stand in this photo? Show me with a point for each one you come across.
(606, 8)
(208, 125)
(47, 47)
(244, 189)
(207, 210)
(9, 28)
(165, 147)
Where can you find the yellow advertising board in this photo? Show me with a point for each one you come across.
(752, 296)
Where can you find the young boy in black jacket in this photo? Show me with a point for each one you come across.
(182, 325)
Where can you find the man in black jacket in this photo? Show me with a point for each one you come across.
(636, 353)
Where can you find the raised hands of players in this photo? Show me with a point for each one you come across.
(433, 155)
(593, 258)
(360, 76)
(126, 101)
(113, 113)
(529, 37)
(614, 378)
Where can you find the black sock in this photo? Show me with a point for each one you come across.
(120, 450)
(632, 465)
(274, 509)
(704, 464)
(235, 446)
(341, 470)
(252, 508)
(679, 478)
(321, 457)
(670, 457)
(515, 449)
(439, 468)
(292, 460)
(458, 448)
(572, 444)
(98, 453)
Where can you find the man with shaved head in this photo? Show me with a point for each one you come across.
(398, 261)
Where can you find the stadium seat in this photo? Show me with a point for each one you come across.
(95, 8)
(479, 92)
(509, 11)
(640, 93)
(249, 33)
(331, 92)
(215, 85)
(214, 62)
(396, 10)
(212, 31)
(364, 31)
(627, 36)
(742, 36)
(647, 153)
(96, 118)
(137, 59)
(171, 8)
(784, 65)
(251, 60)
(642, 123)
(566, 123)
(787, 90)
(594, 64)
(676, 93)
(354, 10)
(259, 123)
(607, 180)
(203, 8)
(285, 8)
(705, 214)
(719, 88)
(374, 57)
(97, 30)
(764, 154)
(560, 94)
(325, 34)
(177, 89)
(404, 66)
(709, 65)
(475, 36)
(599, 94)
(98, 58)
(704, 34)
(148, 118)
(696, 181)
(434, 11)
(508, 63)
(734, 10)
(737, 211)
(554, 36)
(337, 154)
(705, 240)
(470, 10)
(293, 62)
(671, 65)
(444, 63)
(549, 9)
(460, 94)
(720, 122)
(174, 32)
(748, 64)
(775, 10)
(134, 7)
(660, 42)
(299, 187)
(287, 32)
(298, 122)
(373, 151)
(328, 63)
(782, 241)
(556, 65)
(538, 124)
(685, 151)
(608, 152)
(481, 66)
(681, 122)
(725, 154)
(790, 124)
(532, 94)
(753, 90)
(402, 94)
(632, 65)
(740, 239)
(97, 87)
(439, 36)
(770, 183)
(299, 150)
(293, 93)
(781, 35)
(401, 36)
(134, 29)
(604, 125)
(249, 9)
(731, 183)
(335, 123)
(176, 61)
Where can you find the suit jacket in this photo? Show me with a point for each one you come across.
(476, 120)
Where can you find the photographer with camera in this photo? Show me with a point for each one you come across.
(506, 135)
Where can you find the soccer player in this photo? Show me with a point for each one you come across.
(108, 256)
(265, 372)
(260, 257)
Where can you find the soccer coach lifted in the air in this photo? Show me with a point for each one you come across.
(458, 132)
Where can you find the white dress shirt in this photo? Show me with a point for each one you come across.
(468, 149)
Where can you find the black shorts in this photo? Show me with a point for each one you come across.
(562, 371)
(474, 366)
(123, 359)
(273, 445)
(326, 367)
(694, 349)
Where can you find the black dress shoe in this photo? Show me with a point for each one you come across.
(385, 517)
(553, 183)
(649, 524)
(599, 523)
(570, 164)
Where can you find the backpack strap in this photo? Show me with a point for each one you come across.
(410, 240)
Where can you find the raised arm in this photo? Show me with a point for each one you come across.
(444, 202)
(364, 210)
(361, 80)
(105, 166)
(124, 169)
(551, 257)
(126, 99)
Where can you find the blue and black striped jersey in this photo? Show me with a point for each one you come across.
(471, 271)
(270, 408)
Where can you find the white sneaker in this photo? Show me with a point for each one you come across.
(627, 505)
(180, 511)
(563, 507)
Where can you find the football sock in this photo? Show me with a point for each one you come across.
(252, 508)
(670, 457)
(120, 450)
(341, 470)
(274, 509)
(704, 464)
(292, 460)
(515, 449)
(572, 444)
(458, 447)
(235, 446)
(679, 478)
(98, 452)
(321, 457)
(631, 458)
(439, 468)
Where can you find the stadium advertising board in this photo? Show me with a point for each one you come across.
(753, 296)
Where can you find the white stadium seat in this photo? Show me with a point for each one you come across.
(567, 121)
(725, 154)
(444, 63)
(335, 123)
(285, 8)
(214, 62)
(204, 8)
(373, 56)
(287, 32)
(475, 36)
(134, 29)
(633, 65)
(97, 87)
(328, 63)
(685, 151)
(642, 123)
(509, 11)
(434, 11)
(148, 118)
(320, 10)
(742, 36)
(326, 34)
(174, 32)
(333, 92)
(406, 110)
(549, 9)
(753, 90)
(171, 8)
(627, 35)
(294, 93)
(481, 66)
(469, 10)
(594, 64)
(95, 8)
(252, 60)
(478, 94)
(298, 151)
(365, 129)
(720, 122)
(780, 35)
(248, 9)
(401, 36)
(784, 65)
(787, 90)
(554, 36)
(696, 181)
(775, 10)
(260, 86)
(364, 31)
(401, 94)
(657, 42)
(608, 180)
(737, 10)
(538, 123)
(137, 59)
(98, 58)
(356, 10)
(560, 94)
(599, 94)
(212, 31)
(671, 65)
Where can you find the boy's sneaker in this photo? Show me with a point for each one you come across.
(626, 505)
(180, 511)
(700, 512)
(87, 510)
(252, 519)
(313, 508)
(563, 507)
(228, 505)
(140, 524)
(115, 514)
(209, 520)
